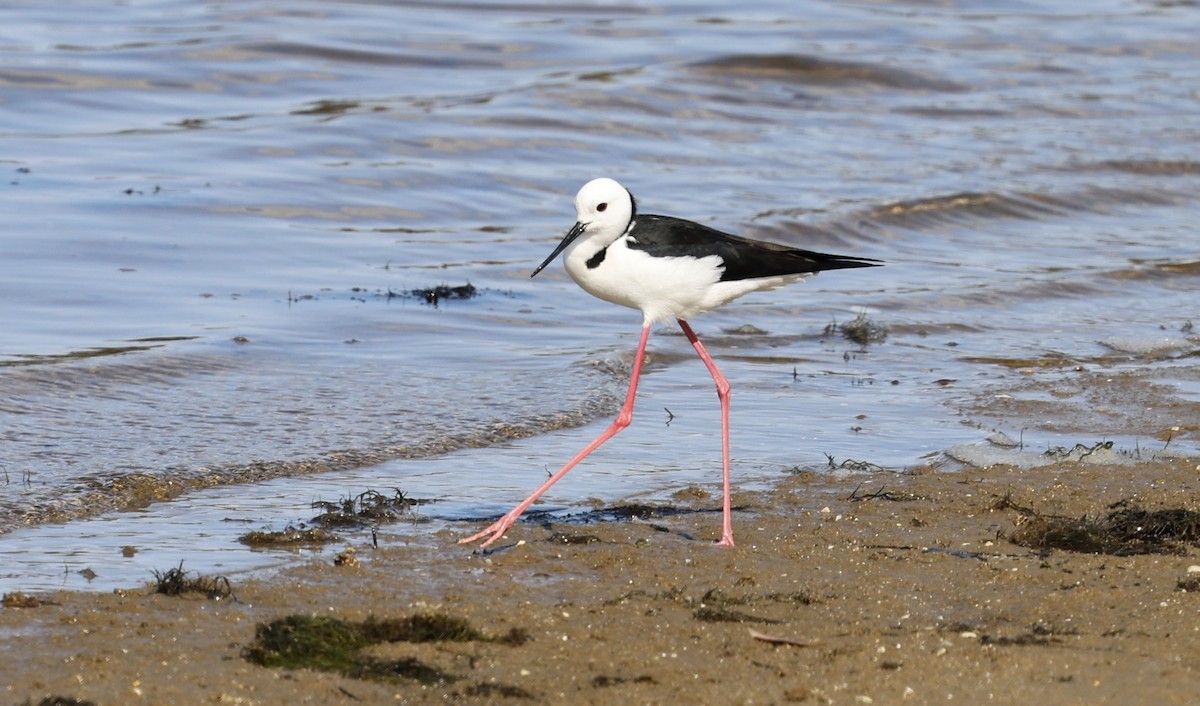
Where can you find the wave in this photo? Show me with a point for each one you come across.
(799, 68)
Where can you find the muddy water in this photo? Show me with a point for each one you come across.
(215, 216)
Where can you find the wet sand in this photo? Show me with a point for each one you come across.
(863, 588)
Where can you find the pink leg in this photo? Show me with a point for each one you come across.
(723, 391)
(500, 526)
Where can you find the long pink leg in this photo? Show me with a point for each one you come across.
(723, 391)
(500, 526)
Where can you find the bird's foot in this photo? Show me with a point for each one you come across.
(496, 530)
(726, 540)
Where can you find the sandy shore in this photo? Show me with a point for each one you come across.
(904, 589)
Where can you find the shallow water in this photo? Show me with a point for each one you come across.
(207, 207)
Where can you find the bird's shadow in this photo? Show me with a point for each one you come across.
(553, 521)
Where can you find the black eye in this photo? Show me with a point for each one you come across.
(601, 207)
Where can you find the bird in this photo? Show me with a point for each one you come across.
(667, 268)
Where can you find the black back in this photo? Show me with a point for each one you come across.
(743, 258)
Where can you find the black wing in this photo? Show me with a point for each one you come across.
(664, 236)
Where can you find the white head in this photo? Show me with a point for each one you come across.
(604, 207)
(603, 211)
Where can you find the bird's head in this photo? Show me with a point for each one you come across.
(603, 210)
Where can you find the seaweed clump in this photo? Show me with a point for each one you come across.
(367, 507)
(861, 330)
(289, 536)
(352, 512)
(1124, 531)
(17, 599)
(435, 295)
(176, 582)
(335, 645)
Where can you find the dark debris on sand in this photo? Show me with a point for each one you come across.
(177, 582)
(1123, 531)
(333, 644)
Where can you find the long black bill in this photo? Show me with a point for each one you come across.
(575, 232)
